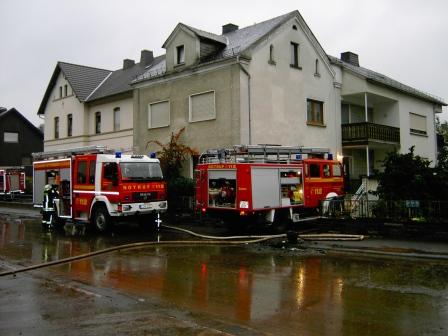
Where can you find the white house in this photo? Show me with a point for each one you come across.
(269, 83)
(90, 106)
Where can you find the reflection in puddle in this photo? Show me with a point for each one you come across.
(282, 293)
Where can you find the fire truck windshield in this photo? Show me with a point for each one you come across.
(140, 171)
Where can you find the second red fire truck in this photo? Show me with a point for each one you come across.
(12, 181)
(265, 180)
(91, 184)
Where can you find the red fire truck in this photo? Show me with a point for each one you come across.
(265, 179)
(93, 185)
(12, 181)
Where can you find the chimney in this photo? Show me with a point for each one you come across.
(228, 28)
(146, 57)
(128, 63)
(350, 57)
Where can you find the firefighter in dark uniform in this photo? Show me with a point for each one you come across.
(48, 206)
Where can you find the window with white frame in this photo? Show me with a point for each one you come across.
(271, 55)
(159, 114)
(56, 127)
(315, 112)
(97, 122)
(11, 137)
(295, 56)
(69, 125)
(316, 68)
(202, 106)
(116, 119)
(180, 54)
(417, 124)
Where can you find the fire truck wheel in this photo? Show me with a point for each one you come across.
(101, 219)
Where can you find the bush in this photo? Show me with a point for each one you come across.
(180, 186)
(410, 177)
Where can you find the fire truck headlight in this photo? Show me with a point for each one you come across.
(244, 204)
(162, 205)
(127, 207)
(301, 191)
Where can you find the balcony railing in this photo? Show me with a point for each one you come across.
(362, 133)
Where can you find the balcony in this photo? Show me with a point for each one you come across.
(365, 133)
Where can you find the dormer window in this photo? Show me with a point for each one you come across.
(180, 54)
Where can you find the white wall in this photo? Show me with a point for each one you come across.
(61, 107)
(83, 132)
(386, 114)
(425, 146)
(279, 93)
(107, 115)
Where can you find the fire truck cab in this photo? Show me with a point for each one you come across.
(93, 185)
(12, 181)
(265, 179)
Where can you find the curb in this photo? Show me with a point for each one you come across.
(367, 251)
(19, 205)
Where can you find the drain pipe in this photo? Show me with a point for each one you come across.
(248, 98)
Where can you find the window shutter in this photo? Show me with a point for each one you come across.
(417, 123)
(202, 106)
(159, 114)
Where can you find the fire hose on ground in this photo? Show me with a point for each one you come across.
(213, 240)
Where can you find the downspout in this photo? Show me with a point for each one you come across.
(367, 120)
(248, 98)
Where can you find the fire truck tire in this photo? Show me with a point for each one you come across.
(101, 220)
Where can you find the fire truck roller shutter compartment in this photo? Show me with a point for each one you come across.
(38, 186)
(222, 188)
(54, 175)
(14, 183)
(265, 188)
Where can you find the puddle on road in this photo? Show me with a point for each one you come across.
(273, 291)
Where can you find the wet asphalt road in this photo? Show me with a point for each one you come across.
(210, 290)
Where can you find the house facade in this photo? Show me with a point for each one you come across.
(380, 115)
(85, 106)
(269, 83)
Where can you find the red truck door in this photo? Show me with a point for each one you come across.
(84, 186)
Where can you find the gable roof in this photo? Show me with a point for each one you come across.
(380, 79)
(82, 79)
(119, 81)
(234, 43)
(13, 111)
(244, 38)
(239, 41)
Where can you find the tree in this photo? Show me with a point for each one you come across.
(173, 154)
(442, 129)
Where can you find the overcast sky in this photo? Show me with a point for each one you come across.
(403, 39)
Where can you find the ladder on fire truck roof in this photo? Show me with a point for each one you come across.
(262, 154)
(65, 153)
